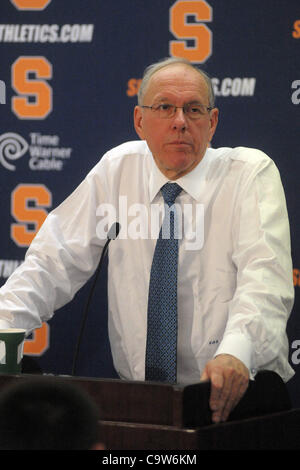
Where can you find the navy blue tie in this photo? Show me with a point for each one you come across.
(161, 348)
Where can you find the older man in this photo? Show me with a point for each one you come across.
(233, 271)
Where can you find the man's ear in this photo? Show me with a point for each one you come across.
(138, 122)
(213, 122)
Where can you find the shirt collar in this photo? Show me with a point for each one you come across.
(190, 183)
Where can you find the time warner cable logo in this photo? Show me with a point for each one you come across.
(296, 94)
(2, 92)
(12, 147)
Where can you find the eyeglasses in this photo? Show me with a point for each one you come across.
(191, 110)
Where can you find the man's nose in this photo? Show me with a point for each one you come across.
(179, 119)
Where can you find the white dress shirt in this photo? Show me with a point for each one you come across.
(235, 288)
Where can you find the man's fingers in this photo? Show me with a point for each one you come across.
(229, 380)
(204, 375)
(241, 387)
(218, 390)
(221, 392)
(238, 386)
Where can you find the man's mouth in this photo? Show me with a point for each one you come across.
(179, 142)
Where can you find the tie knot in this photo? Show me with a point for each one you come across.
(170, 191)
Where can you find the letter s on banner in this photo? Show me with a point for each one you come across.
(30, 4)
(21, 233)
(198, 32)
(40, 90)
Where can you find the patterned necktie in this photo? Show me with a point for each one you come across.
(161, 350)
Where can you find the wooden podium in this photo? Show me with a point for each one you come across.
(155, 416)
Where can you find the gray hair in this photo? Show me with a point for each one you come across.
(153, 68)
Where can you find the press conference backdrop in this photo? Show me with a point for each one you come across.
(69, 76)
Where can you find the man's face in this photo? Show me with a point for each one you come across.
(178, 143)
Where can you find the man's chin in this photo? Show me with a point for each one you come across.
(175, 171)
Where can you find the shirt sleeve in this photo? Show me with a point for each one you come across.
(263, 299)
(61, 258)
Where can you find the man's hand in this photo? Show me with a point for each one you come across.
(229, 379)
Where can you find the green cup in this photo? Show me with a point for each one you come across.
(11, 350)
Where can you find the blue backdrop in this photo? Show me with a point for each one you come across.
(69, 75)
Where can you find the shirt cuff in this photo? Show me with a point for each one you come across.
(238, 346)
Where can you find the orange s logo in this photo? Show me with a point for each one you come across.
(30, 4)
(39, 342)
(296, 31)
(296, 277)
(198, 32)
(133, 86)
(21, 233)
(40, 90)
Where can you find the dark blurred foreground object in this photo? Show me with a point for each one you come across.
(47, 414)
